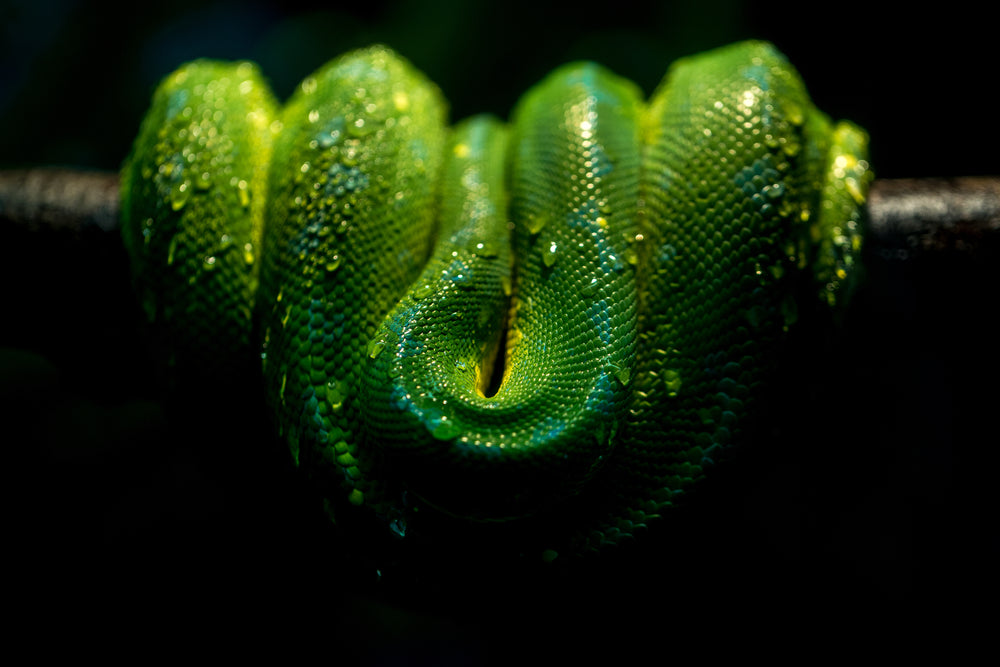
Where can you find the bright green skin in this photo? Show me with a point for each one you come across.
(649, 274)
(192, 208)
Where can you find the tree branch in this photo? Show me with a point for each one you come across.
(51, 198)
(933, 214)
(926, 213)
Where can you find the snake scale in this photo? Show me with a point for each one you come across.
(560, 321)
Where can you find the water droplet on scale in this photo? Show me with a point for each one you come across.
(549, 254)
(360, 128)
(445, 429)
(375, 347)
(331, 133)
(336, 392)
(171, 251)
(180, 196)
(486, 249)
(423, 290)
(537, 223)
(398, 528)
(243, 193)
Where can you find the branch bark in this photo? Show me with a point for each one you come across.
(52, 198)
(935, 214)
(930, 213)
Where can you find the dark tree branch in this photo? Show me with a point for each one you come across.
(932, 214)
(55, 198)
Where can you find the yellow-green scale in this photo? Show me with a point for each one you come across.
(192, 210)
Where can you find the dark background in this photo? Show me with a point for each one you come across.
(132, 511)
(77, 75)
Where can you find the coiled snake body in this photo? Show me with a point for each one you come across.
(563, 320)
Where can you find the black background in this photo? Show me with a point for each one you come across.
(133, 512)
(77, 76)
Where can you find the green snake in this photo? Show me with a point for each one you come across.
(559, 321)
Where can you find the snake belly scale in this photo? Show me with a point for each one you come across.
(561, 320)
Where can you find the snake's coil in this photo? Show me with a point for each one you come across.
(562, 320)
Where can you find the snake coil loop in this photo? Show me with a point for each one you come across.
(566, 318)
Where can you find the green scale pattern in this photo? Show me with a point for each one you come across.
(571, 334)
(733, 169)
(628, 269)
(352, 190)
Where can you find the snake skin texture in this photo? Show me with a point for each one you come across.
(560, 322)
